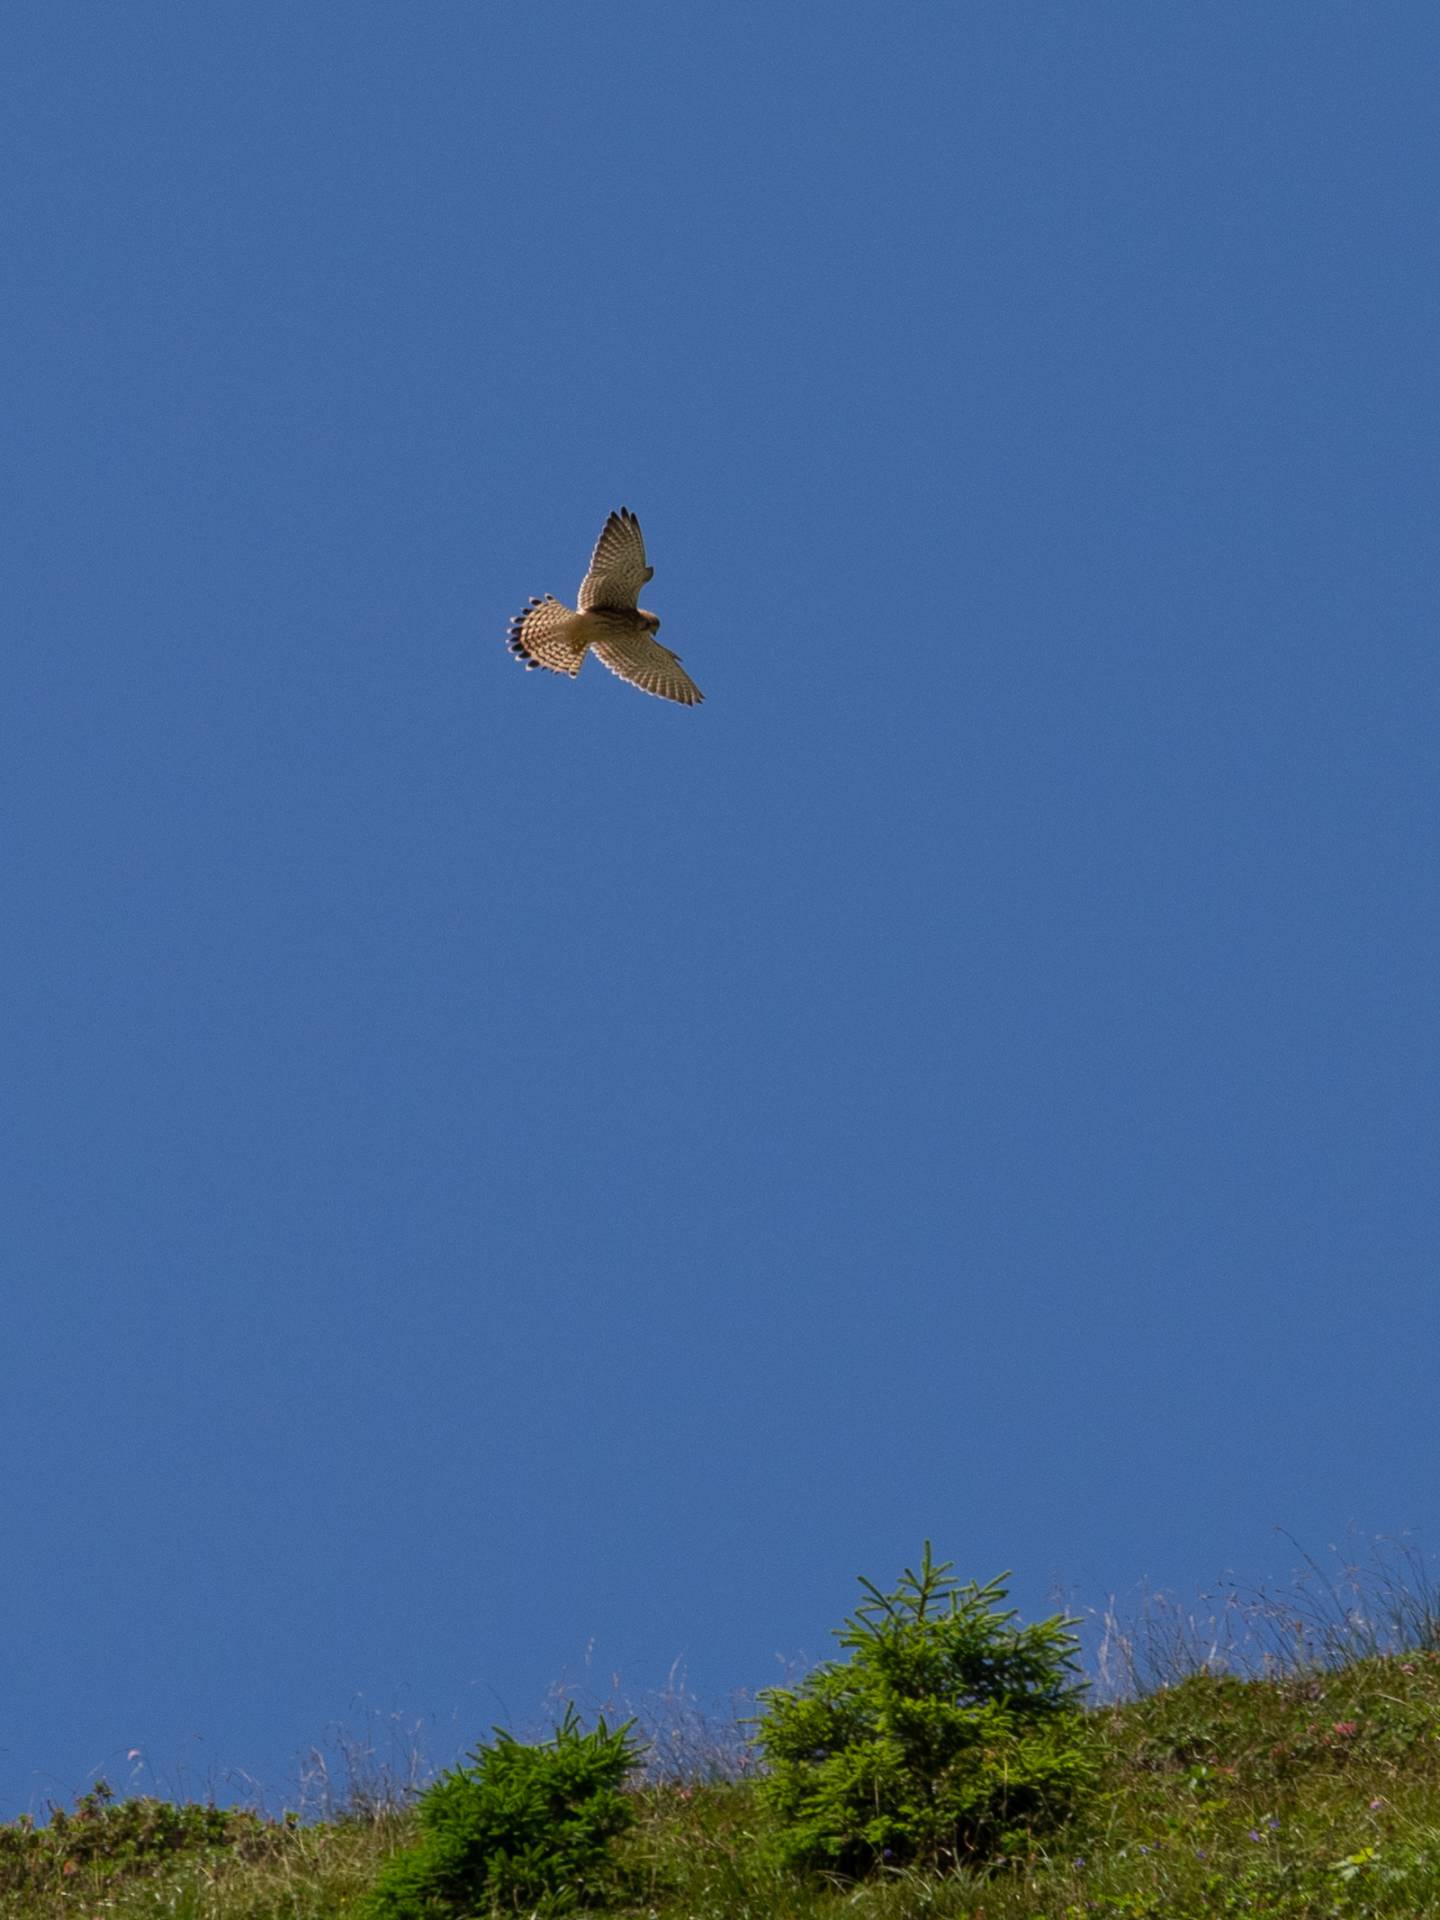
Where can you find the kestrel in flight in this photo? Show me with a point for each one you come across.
(550, 634)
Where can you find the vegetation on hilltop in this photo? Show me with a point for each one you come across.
(1308, 1791)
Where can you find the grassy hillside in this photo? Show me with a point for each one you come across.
(1314, 1794)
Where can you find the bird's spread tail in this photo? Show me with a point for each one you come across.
(543, 634)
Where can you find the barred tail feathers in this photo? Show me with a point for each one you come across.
(543, 634)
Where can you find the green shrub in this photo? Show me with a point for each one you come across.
(521, 1829)
(946, 1739)
(110, 1840)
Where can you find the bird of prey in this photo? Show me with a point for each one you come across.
(547, 633)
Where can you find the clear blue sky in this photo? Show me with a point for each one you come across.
(493, 1165)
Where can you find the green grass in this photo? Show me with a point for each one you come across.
(1317, 1793)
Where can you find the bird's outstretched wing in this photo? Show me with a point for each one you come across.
(640, 659)
(617, 566)
(542, 635)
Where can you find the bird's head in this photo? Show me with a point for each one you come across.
(650, 621)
